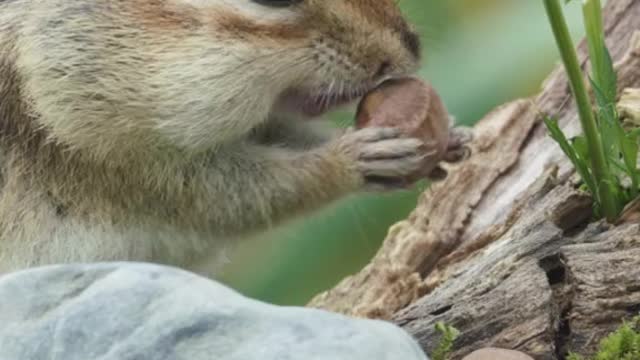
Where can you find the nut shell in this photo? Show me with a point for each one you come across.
(413, 106)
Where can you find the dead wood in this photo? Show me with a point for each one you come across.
(504, 249)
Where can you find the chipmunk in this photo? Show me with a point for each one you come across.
(162, 130)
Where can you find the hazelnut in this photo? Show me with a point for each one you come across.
(413, 106)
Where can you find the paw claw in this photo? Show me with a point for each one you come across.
(460, 136)
(457, 155)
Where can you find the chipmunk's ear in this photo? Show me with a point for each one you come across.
(278, 3)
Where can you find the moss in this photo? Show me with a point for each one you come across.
(449, 335)
(623, 344)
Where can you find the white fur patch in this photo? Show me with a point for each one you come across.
(248, 8)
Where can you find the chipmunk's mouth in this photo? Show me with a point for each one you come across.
(313, 103)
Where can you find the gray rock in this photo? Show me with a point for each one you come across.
(130, 311)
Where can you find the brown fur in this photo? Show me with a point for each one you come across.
(231, 22)
(157, 15)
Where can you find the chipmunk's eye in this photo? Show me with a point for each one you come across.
(278, 3)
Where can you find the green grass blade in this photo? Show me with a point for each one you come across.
(616, 142)
(599, 165)
(602, 66)
(579, 161)
(581, 149)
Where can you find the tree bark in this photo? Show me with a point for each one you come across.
(504, 249)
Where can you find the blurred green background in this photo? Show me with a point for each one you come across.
(478, 54)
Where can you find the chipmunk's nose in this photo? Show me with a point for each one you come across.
(411, 41)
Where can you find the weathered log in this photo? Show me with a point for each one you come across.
(503, 249)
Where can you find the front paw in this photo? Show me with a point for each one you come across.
(383, 158)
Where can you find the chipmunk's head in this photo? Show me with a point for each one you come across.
(314, 53)
(341, 48)
(197, 72)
